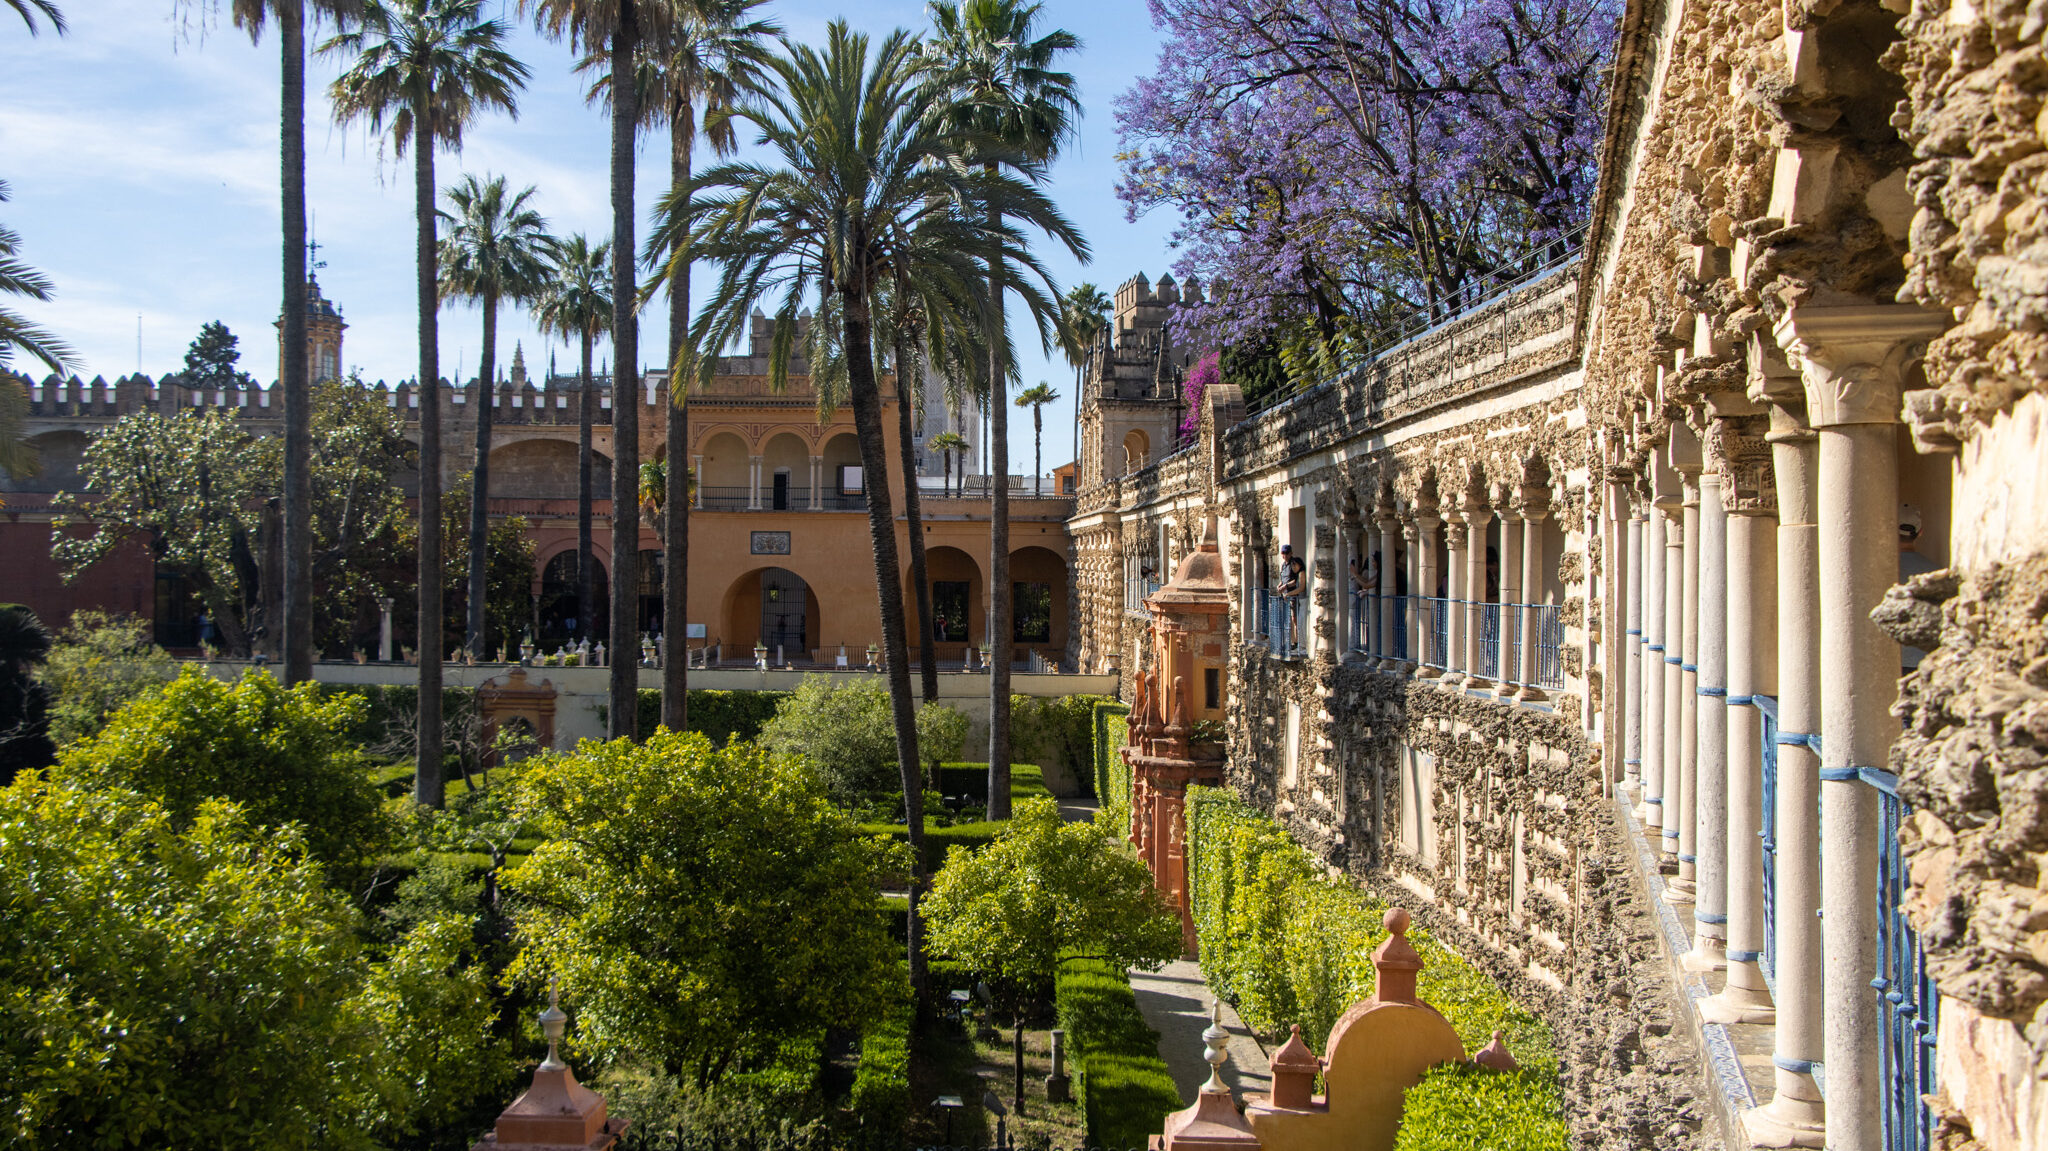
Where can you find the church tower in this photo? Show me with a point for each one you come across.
(324, 327)
(1131, 400)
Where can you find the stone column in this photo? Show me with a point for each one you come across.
(1653, 676)
(1389, 538)
(1534, 508)
(1632, 656)
(1455, 540)
(1421, 582)
(1710, 769)
(1795, 1116)
(817, 483)
(1851, 359)
(1513, 639)
(1674, 630)
(753, 483)
(1743, 456)
(1685, 718)
(697, 468)
(1477, 518)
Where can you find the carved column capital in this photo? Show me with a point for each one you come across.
(1739, 451)
(1852, 359)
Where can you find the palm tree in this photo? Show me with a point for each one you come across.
(293, 372)
(949, 443)
(997, 83)
(1085, 312)
(17, 278)
(577, 301)
(27, 9)
(498, 248)
(853, 164)
(425, 69)
(619, 28)
(1036, 399)
(715, 48)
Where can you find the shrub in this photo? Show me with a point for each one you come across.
(721, 715)
(282, 754)
(100, 664)
(1123, 1086)
(938, 841)
(1287, 945)
(848, 733)
(1112, 775)
(881, 1085)
(971, 779)
(670, 1115)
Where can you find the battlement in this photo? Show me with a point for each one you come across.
(1142, 305)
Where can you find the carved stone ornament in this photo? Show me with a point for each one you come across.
(1738, 451)
(1853, 359)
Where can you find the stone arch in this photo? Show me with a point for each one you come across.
(959, 595)
(727, 470)
(785, 471)
(1039, 613)
(843, 488)
(542, 468)
(748, 616)
(556, 604)
(1137, 449)
(512, 699)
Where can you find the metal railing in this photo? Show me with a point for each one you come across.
(1365, 633)
(1273, 613)
(1137, 589)
(1767, 707)
(1489, 643)
(1547, 632)
(1543, 260)
(795, 499)
(1907, 998)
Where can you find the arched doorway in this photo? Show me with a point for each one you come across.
(785, 609)
(957, 602)
(557, 607)
(1038, 603)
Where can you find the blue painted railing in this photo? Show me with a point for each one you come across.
(1768, 708)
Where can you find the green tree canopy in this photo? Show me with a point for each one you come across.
(846, 732)
(100, 664)
(214, 359)
(700, 904)
(280, 753)
(164, 988)
(1044, 888)
(24, 698)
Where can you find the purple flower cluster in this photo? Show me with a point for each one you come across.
(1207, 370)
(1370, 159)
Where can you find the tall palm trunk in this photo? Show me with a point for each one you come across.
(874, 461)
(999, 606)
(427, 782)
(480, 480)
(1037, 451)
(586, 604)
(625, 645)
(927, 656)
(295, 631)
(675, 584)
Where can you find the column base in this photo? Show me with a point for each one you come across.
(1787, 1120)
(1452, 679)
(1744, 999)
(1479, 684)
(1678, 892)
(1709, 953)
(1532, 694)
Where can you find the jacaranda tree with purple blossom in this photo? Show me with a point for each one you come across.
(1344, 167)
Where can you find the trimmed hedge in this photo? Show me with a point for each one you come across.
(940, 840)
(721, 715)
(1027, 781)
(1056, 731)
(1287, 945)
(881, 1084)
(1121, 1083)
(1112, 775)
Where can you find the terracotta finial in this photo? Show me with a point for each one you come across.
(1294, 1068)
(1495, 1056)
(1396, 961)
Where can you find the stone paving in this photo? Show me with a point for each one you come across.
(1176, 1003)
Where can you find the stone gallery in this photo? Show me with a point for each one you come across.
(1671, 640)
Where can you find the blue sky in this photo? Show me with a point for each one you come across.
(142, 151)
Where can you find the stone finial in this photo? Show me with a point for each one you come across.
(1495, 1056)
(1396, 961)
(552, 1023)
(556, 1113)
(1217, 1041)
(1294, 1068)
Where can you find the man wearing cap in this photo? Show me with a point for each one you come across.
(1293, 574)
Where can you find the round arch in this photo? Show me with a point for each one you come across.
(545, 469)
(1137, 449)
(785, 472)
(841, 475)
(770, 605)
(556, 609)
(725, 478)
(1038, 604)
(959, 602)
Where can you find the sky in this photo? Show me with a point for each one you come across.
(143, 158)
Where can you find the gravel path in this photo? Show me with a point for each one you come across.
(1176, 1002)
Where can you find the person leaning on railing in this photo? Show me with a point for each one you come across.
(1293, 575)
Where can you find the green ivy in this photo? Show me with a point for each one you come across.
(1286, 945)
(1055, 730)
(1112, 775)
(1123, 1086)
